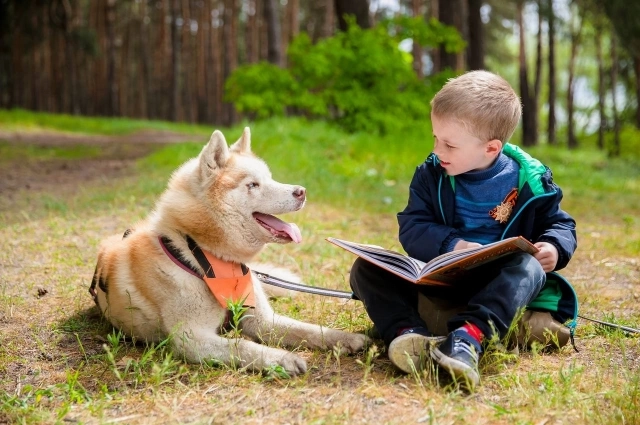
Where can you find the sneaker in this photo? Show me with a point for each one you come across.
(409, 351)
(459, 356)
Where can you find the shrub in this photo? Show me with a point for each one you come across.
(359, 78)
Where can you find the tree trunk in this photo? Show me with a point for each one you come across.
(434, 12)
(253, 33)
(175, 61)
(230, 56)
(274, 43)
(145, 60)
(572, 141)
(329, 24)
(7, 28)
(452, 12)
(112, 80)
(551, 124)
(416, 8)
(358, 8)
(615, 149)
(528, 106)
(475, 49)
(636, 67)
(601, 86)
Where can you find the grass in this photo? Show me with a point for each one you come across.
(60, 363)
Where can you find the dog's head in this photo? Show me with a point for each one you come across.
(242, 194)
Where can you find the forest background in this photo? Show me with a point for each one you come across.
(575, 63)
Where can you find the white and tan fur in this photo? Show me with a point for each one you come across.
(211, 198)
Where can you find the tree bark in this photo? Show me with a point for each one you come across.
(601, 85)
(112, 80)
(615, 149)
(551, 124)
(475, 49)
(274, 42)
(451, 13)
(636, 67)
(416, 9)
(358, 8)
(572, 141)
(230, 56)
(528, 106)
(434, 12)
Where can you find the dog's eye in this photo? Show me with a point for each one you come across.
(253, 185)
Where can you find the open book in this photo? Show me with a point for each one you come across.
(442, 270)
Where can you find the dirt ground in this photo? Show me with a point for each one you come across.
(118, 154)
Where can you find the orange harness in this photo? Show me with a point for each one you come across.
(227, 281)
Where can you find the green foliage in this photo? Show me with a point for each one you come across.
(358, 78)
(14, 119)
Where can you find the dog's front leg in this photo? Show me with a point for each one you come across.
(275, 329)
(198, 346)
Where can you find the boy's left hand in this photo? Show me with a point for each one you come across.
(547, 256)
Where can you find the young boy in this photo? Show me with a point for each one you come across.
(473, 189)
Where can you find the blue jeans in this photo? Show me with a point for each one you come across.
(493, 295)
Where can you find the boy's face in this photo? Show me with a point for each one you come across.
(459, 151)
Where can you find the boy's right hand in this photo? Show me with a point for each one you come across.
(462, 244)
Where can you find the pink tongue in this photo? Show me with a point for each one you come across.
(278, 225)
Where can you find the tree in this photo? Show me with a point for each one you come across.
(359, 9)
(274, 31)
(452, 12)
(527, 94)
(417, 11)
(575, 29)
(475, 49)
(551, 121)
(623, 15)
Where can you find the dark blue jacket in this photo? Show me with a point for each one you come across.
(426, 223)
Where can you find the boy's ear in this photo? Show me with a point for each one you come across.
(494, 147)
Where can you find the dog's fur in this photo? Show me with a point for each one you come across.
(212, 199)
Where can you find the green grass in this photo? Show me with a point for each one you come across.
(20, 119)
(12, 152)
(60, 363)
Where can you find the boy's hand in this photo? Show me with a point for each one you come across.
(547, 256)
(462, 244)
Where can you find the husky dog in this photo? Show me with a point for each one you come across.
(154, 282)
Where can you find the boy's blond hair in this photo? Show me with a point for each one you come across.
(483, 102)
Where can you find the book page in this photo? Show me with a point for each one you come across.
(391, 260)
(453, 267)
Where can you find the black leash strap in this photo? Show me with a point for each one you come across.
(612, 325)
(281, 283)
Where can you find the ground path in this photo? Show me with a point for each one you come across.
(117, 155)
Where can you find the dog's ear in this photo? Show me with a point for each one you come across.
(243, 144)
(214, 155)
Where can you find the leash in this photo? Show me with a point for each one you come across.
(612, 325)
(281, 283)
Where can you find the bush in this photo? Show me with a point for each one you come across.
(358, 78)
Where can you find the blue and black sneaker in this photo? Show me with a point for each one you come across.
(409, 351)
(459, 355)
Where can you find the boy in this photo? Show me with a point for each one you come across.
(473, 189)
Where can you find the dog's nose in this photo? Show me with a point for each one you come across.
(299, 193)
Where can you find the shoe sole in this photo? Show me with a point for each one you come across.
(459, 370)
(408, 352)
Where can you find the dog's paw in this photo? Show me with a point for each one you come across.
(349, 343)
(292, 363)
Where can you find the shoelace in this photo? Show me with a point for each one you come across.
(460, 344)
